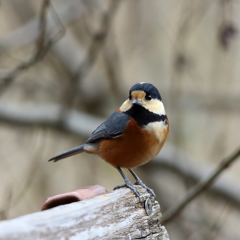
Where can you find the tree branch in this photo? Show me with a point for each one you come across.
(42, 47)
(79, 123)
(200, 187)
(116, 215)
(188, 167)
(97, 42)
(28, 33)
(82, 124)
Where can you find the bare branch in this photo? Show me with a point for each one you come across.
(28, 33)
(188, 167)
(98, 38)
(42, 48)
(78, 123)
(97, 42)
(201, 187)
(83, 124)
(115, 215)
(42, 26)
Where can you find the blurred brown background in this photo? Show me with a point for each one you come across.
(67, 65)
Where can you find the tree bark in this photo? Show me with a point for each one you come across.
(115, 215)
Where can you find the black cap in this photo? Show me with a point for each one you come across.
(148, 88)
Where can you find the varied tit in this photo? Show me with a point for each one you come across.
(131, 136)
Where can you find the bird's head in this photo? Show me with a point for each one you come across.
(146, 96)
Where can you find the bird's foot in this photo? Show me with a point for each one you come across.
(120, 186)
(139, 182)
(128, 184)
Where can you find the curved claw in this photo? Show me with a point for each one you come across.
(147, 188)
(139, 182)
(120, 186)
(128, 185)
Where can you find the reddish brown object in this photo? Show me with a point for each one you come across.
(74, 196)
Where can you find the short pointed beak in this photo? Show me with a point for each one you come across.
(137, 102)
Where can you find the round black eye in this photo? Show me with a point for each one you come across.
(148, 97)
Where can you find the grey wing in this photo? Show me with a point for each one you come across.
(114, 126)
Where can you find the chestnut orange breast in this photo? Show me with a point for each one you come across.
(134, 147)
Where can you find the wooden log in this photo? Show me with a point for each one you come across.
(115, 215)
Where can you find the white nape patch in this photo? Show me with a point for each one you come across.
(142, 82)
(159, 129)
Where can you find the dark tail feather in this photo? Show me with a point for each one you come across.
(68, 153)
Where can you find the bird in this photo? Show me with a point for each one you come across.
(132, 135)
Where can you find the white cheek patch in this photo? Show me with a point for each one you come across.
(155, 106)
(158, 128)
